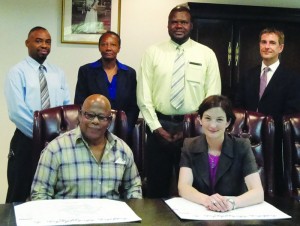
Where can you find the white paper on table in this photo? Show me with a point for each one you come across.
(192, 211)
(73, 211)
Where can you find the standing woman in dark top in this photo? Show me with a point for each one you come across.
(217, 170)
(109, 77)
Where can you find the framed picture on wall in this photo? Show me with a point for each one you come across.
(84, 21)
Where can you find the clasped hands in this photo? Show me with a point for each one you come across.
(218, 203)
(167, 136)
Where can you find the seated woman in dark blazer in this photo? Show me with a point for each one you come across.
(217, 170)
(109, 77)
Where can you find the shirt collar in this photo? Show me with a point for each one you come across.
(34, 64)
(110, 138)
(182, 46)
(98, 64)
(273, 66)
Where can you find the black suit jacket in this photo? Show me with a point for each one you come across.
(92, 79)
(281, 96)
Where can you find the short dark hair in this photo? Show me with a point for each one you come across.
(180, 8)
(218, 101)
(269, 30)
(111, 33)
(36, 29)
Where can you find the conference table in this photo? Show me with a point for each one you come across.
(156, 212)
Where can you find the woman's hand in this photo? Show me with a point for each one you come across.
(218, 203)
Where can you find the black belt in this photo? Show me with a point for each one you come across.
(172, 118)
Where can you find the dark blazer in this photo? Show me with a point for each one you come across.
(281, 96)
(236, 162)
(92, 79)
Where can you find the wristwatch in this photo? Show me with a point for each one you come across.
(232, 203)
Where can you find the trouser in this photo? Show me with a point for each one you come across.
(162, 162)
(19, 169)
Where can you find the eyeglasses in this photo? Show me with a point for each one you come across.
(92, 116)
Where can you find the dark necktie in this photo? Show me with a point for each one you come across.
(177, 87)
(45, 100)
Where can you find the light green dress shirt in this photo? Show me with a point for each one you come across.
(202, 79)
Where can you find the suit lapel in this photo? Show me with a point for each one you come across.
(226, 158)
(201, 158)
(276, 78)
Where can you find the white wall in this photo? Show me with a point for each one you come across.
(143, 22)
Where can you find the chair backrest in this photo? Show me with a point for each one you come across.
(51, 122)
(291, 154)
(255, 126)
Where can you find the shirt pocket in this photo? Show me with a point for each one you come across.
(195, 73)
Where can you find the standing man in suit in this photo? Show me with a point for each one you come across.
(271, 89)
(25, 94)
(163, 112)
(109, 77)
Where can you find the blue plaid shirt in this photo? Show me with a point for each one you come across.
(68, 169)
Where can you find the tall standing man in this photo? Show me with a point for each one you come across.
(175, 76)
(33, 84)
(271, 89)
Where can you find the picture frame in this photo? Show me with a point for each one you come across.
(84, 21)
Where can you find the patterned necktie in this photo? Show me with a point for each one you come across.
(45, 100)
(177, 86)
(263, 81)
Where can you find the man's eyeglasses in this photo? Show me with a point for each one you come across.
(92, 116)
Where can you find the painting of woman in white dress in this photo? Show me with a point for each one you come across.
(91, 23)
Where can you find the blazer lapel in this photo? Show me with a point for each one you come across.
(276, 78)
(201, 159)
(101, 81)
(226, 158)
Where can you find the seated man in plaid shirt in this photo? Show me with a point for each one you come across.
(89, 161)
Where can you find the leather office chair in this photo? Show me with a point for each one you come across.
(291, 154)
(255, 126)
(50, 123)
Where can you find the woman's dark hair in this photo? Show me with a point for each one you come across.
(218, 101)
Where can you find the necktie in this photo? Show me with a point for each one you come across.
(45, 100)
(177, 85)
(263, 81)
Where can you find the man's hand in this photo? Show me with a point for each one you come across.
(164, 134)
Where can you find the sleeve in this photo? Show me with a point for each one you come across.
(185, 160)
(145, 92)
(132, 111)
(45, 177)
(81, 91)
(293, 98)
(213, 79)
(19, 112)
(131, 180)
(249, 161)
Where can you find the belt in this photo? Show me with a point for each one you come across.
(171, 118)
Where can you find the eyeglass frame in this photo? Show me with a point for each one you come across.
(100, 117)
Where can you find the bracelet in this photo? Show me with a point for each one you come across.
(232, 203)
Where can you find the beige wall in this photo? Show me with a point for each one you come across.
(143, 22)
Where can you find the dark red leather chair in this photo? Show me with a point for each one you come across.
(255, 126)
(52, 122)
(291, 154)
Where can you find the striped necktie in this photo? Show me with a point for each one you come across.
(263, 81)
(177, 85)
(45, 100)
